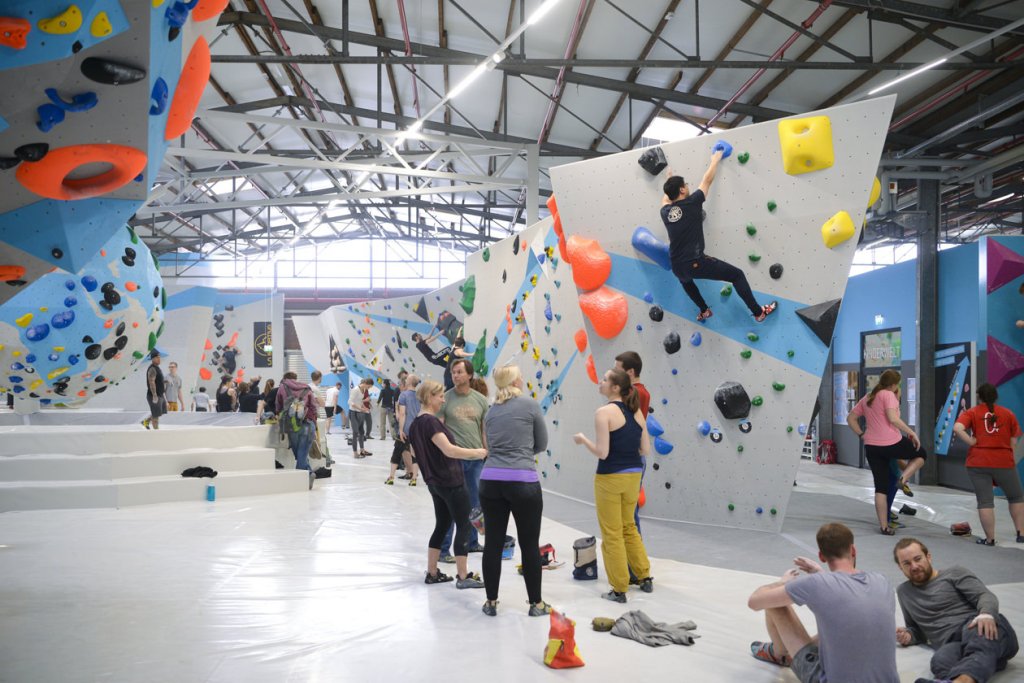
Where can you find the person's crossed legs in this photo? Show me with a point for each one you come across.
(790, 644)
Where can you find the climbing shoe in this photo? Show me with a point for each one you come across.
(490, 608)
(614, 596)
(539, 609)
(437, 577)
(647, 585)
(766, 311)
(766, 653)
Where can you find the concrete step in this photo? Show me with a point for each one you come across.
(63, 467)
(102, 440)
(57, 495)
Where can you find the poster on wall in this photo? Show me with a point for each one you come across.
(953, 380)
(882, 349)
(262, 346)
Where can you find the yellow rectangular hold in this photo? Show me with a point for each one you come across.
(806, 144)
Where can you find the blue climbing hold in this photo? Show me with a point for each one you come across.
(663, 447)
(664, 401)
(675, 371)
(802, 429)
(89, 282)
(650, 246)
(70, 284)
(158, 97)
(648, 297)
(49, 116)
(654, 427)
(62, 319)
(37, 332)
(724, 147)
(704, 428)
(639, 328)
(547, 311)
(539, 374)
(695, 338)
(80, 102)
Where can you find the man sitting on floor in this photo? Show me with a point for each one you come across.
(953, 612)
(854, 611)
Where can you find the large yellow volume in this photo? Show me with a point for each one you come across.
(806, 144)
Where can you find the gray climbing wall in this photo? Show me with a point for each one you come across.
(741, 472)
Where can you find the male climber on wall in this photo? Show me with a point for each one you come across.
(683, 215)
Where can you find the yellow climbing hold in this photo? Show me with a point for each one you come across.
(15, 353)
(24, 320)
(67, 22)
(43, 309)
(806, 144)
(54, 374)
(101, 26)
(536, 353)
(837, 230)
(876, 192)
(35, 385)
(58, 349)
(157, 3)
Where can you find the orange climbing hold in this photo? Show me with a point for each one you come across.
(563, 249)
(130, 286)
(606, 309)
(14, 32)
(552, 204)
(591, 370)
(208, 9)
(11, 272)
(591, 264)
(581, 340)
(194, 77)
(48, 177)
(208, 345)
(233, 340)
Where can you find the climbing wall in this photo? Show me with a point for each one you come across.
(729, 396)
(246, 323)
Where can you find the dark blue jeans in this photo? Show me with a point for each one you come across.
(471, 469)
(974, 655)
(300, 443)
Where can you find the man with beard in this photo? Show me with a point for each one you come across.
(953, 612)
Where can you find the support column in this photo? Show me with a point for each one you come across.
(532, 183)
(927, 322)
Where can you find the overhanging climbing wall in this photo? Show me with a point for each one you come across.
(785, 207)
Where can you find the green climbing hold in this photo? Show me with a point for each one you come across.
(160, 330)
(131, 231)
(468, 294)
(152, 341)
(745, 353)
(778, 386)
(547, 328)
(731, 507)
(751, 230)
(757, 401)
(487, 257)
(739, 449)
(789, 429)
(773, 511)
(137, 355)
(790, 353)
(754, 258)
(772, 205)
(743, 157)
(726, 291)
(751, 336)
(347, 341)
(479, 358)
(163, 298)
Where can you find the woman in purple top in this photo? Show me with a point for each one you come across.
(438, 459)
(509, 485)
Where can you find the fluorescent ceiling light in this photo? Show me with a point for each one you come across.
(999, 199)
(920, 69)
(498, 57)
(539, 13)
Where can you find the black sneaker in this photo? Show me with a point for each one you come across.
(490, 608)
(647, 585)
(614, 596)
(437, 577)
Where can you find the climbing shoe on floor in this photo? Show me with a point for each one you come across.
(765, 651)
(647, 585)
(390, 481)
(986, 541)
(469, 581)
(490, 608)
(614, 596)
(437, 577)
(539, 609)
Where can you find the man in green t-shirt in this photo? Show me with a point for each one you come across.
(463, 413)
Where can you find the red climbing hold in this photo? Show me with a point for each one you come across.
(606, 309)
(581, 340)
(9, 273)
(208, 345)
(14, 33)
(591, 370)
(208, 9)
(591, 264)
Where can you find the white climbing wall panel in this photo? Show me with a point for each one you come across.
(607, 199)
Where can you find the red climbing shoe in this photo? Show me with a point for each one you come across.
(766, 311)
(704, 315)
(765, 651)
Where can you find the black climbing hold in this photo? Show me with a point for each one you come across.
(34, 151)
(106, 305)
(56, 253)
(130, 262)
(156, 293)
(656, 466)
(672, 343)
(100, 378)
(716, 436)
(821, 318)
(173, 33)
(653, 161)
(109, 352)
(746, 426)
(775, 271)
(120, 329)
(87, 339)
(504, 275)
(99, 390)
(731, 398)
(109, 72)
(121, 342)
(106, 287)
(229, 307)
(112, 297)
(656, 313)
(93, 351)
(16, 283)
(515, 245)
(668, 485)
(76, 47)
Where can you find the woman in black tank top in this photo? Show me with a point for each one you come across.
(226, 395)
(621, 440)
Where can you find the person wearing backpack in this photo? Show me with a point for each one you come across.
(296, 407)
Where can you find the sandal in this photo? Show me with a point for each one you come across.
(766, 311)
(887, 531)
(704, 315)
(986, 541)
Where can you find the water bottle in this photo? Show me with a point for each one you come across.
(211, 492)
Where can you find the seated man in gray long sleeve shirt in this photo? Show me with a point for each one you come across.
(955, 613)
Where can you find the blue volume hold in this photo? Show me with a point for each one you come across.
(650, 246)
(654, 427)
(724, 147)
(158, 97)
(663, 447)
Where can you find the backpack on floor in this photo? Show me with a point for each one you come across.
(827, 452)
(585, 565)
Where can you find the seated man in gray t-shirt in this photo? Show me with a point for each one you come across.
(855, 612)
(955, 613)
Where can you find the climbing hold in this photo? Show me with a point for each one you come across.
(743, 157)
(668, 485)
(772, 205)
(195, 74)
(775, 270)
(731, 398)
(100, 26)
(591, 264)
(704, 428)
(759, 510)
(49, 176)
(716, 436)
(789, 429)
(515, 246)
(487, 256)
(11, 273)
(802, 429)
(739, 449)
(751, 336)
(806, 144)
(641, 500)
(606, 309)
(208, 9)
(664, 401)
(672, 343)
(876, 192)
(158, 97)
(469, 294)
(653, 160)
(837, 229)
(754, 258)
(656, 314)
(33, 151)
(773, 511)
(675, 371)
(80, 102)
(581, 340)
(37, 332)
(745, 354)
(722, 146)
(757, 401)
(751, 230)
(650, 246)
(591, 370)
(731, 507)
(821, 319)
(14, 32)
(110, 72)
(790, 353)
(49, 116)
(778, 386)
(24, 320)
(639, 328)
(695, 339)
(661, 446)
(648, 297)
(654, 427)
(746, 426)
(69, 21)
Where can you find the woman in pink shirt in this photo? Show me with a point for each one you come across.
(884, 440)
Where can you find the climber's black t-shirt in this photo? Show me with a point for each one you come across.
(684, 222)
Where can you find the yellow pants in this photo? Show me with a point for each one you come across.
(615, 496)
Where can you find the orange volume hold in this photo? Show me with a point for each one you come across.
(591, 370)
(14, 32)
(606, 309)
(591, 264)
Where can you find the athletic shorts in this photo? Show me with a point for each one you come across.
(807, 664)
(330, 412)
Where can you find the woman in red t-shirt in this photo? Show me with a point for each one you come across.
(991, 459)
(884, 440)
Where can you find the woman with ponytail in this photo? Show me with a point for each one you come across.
(884, 441)
(621, 438)
(990, 459)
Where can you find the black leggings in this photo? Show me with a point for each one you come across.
(525, 502)
(396, 452)
(710, 268)
(451, 503)
(879, 457)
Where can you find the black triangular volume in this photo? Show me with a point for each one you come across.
(821, 318)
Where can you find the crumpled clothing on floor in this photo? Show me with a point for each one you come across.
(200, 472)
(639, 627)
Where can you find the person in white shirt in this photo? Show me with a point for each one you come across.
(201, 401)
(331, 403)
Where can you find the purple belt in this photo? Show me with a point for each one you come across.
(505, 474)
